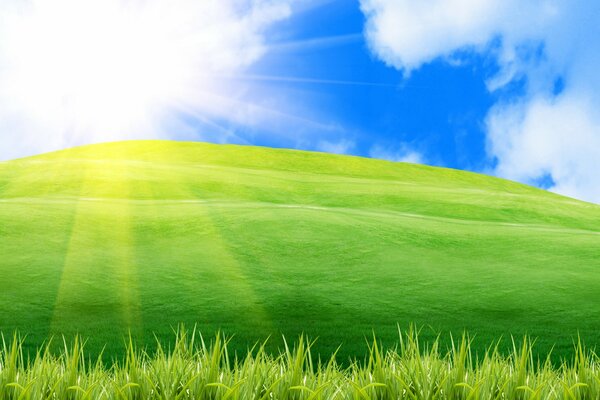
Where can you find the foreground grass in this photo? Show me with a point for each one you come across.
(195, 369)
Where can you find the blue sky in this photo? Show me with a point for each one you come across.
(503, 87)
(437, 112)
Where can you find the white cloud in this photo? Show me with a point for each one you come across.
(402, 153)
(559, 137)
(407, 33)
(342, 146)
(543, 132)
(79, 71)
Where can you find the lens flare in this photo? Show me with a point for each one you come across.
(110, 69)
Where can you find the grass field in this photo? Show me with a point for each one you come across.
(197, 369)
(143, 236)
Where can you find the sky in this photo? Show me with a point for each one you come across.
(503, 87)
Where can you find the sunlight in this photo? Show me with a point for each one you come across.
(110, 69)
(118, 299)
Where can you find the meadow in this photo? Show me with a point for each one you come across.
(197, 369)
(254, 242)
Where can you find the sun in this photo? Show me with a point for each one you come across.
(109, 69)
(102, 66)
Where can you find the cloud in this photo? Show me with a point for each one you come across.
(406, 34)
(342, 146)
(74, 71)
(551, 129)
(557, 137)
(401, 153)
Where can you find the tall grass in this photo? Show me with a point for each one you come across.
(196, 369)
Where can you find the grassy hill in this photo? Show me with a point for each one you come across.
(145, 235)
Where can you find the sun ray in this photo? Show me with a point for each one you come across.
(70, 81)
(227, 132)
(27, 170)
(292, 79)
(231, 276)
(244, 112)
(316, 42)
(101, 235)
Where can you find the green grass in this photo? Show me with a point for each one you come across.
(141, 236)
(196, 369)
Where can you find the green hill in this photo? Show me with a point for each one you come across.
(145, 235)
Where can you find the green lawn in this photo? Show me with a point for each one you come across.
(145, 235)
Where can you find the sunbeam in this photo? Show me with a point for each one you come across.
(316, 43)
(78, 296)
(75, 72)
(293, 79)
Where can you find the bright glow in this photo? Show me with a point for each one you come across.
(89, 70)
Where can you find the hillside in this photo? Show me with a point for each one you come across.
(144, 235)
